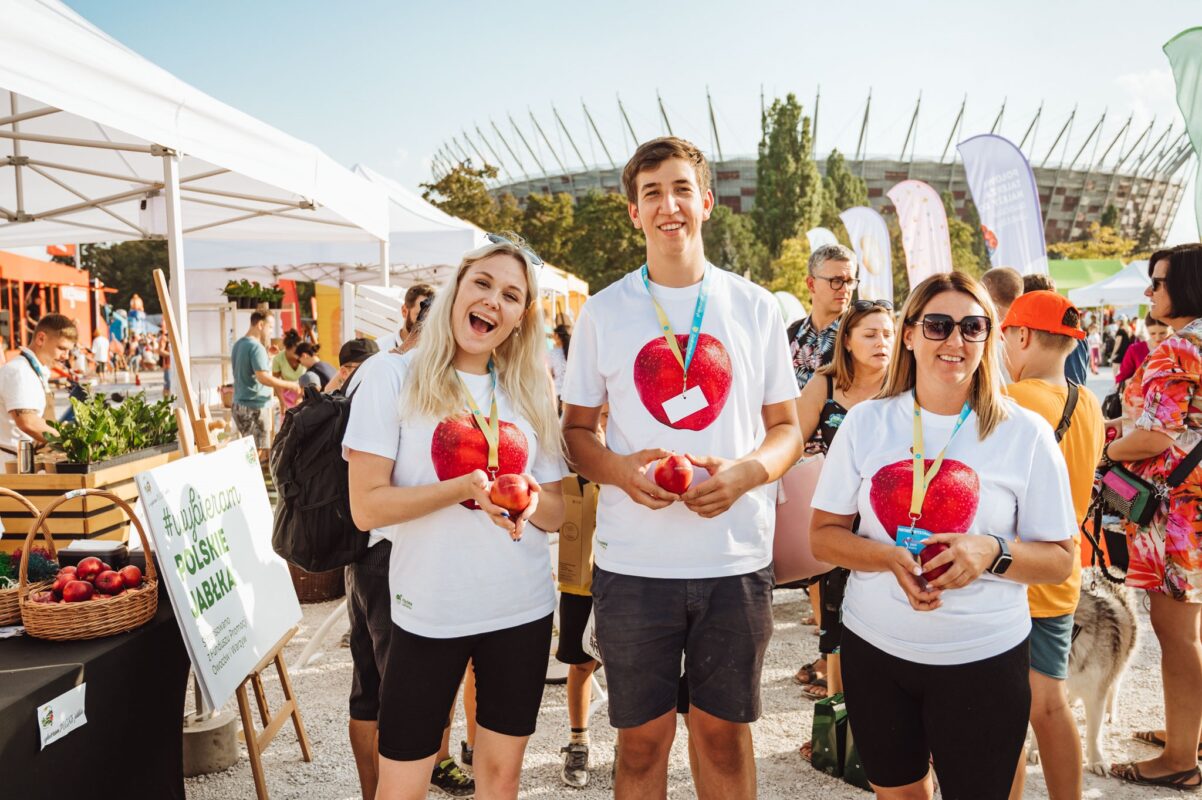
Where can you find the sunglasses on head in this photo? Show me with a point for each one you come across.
(868, 305)
(938, 327)
(497, 238)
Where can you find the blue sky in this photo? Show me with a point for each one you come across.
(386, 83)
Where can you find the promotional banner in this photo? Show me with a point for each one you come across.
(923, 224)
(870, 239)
(817, 237)
(1185, 57)
(210, 524)
(1003, 189)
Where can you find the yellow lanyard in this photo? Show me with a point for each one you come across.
(686, 358)
(922, 480)
(489, 426)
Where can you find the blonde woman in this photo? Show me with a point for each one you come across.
(428, 433)
(938, 668)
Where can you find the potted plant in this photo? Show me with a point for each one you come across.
(273, 296)
(243, 292)
(103, 435)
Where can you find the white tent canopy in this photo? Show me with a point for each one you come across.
(1123, 288)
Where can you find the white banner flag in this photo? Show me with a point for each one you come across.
(870, 239)
(817, 237)
(1003, 188)
(924, 230)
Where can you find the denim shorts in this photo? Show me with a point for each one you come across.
(1051, 641)
(720, 626)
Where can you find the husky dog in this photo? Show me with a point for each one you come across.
(1101, 651)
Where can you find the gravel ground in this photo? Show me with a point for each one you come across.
(323, 687)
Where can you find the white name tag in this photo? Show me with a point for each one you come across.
(690, 401)
(62, 715)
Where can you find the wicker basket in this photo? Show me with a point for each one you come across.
(317, 587)
(10, 608)
(95, 618)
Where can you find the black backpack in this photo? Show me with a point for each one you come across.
(313, 526)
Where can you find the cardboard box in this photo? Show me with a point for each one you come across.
(576, 535)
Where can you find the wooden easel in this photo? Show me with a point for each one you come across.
(199, 423)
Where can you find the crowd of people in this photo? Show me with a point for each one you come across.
(960, 452)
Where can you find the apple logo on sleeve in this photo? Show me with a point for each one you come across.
(458, 447)
(657, 378)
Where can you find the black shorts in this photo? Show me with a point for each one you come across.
(573, 619)
(831, 588)
(971, 718)
(423, 674)
(367, 604)
(720, 625)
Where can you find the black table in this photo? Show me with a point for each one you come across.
(133, 739)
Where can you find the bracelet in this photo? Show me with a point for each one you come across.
(1106, 459)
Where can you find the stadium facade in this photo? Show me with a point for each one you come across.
(1139, 172)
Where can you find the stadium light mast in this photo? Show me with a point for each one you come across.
(568, 134)
(952, 133)
(501, 136)
(1034, 126)
(1097, 126)
(663, 113)
(1114, 171)
(459, 147)
(1068, 124)
(600, 138)
(814, 132)
(713, 124)
(563, 169)
(909, 131)
(998, 119)
(861, 143)
(493, 150)
(1083, 197)
(529, 149)
(476, 150)
(629, 127)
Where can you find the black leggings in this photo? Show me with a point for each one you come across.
(972, 718)
(423, 674)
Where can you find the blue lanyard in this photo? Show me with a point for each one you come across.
(694, 330)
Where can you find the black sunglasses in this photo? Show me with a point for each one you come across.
(868, 305)
(497, 238)
(1157, 283)
(938, 327)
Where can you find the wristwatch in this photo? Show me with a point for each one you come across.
(1004, 559)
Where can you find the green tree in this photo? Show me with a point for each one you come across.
(548, 225)
(462, 193)
(128, 267)
(789, 269)
(606, 245)
(731, 243)
(788, 197)
(1099, 242)
(1110, 217)
(841, 190)
(963, 238)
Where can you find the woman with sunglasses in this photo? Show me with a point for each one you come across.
(937, 666)
(863, 347)
(430, 433)
(1166, 555)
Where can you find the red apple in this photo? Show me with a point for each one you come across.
(61, 582)
(109, 582)
(89, 568)
(657, 378)
(674, 474)
(43, 597)
(104, 566)
(77, 591)
(131, 576)
(929, 552)
(67, 569)
(511, 492)
(458, 447)
(951, 501)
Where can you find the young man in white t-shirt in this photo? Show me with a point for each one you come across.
(24, 383)
(100, 352)
(682, 574)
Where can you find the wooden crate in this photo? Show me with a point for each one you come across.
(81, 518)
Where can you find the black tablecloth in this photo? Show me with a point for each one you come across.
(134, 703)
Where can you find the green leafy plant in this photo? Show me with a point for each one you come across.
(253, 291)
(102, 431)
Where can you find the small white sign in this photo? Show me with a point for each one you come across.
(690, 401)
(62, 715)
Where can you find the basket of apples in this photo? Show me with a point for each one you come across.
(89, 600)
(41, 570)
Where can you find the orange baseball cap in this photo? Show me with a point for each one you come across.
(1044, 311)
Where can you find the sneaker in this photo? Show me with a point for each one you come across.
(465, 753)
(575, 765)
(450, 780)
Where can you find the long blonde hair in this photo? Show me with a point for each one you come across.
(434, 390)
(985, 396)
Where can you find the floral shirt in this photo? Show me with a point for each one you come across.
(1171, 380)
(811, 349)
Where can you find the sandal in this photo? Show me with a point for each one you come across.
(1181, 781)
(807, 675)
(816, 690)
(807, 751)
(1152, 738)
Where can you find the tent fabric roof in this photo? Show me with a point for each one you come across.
(90, 116)
(1124, 288)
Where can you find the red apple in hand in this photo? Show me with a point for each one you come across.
(511, 492)
(109, 582)
(674, 474)
(89, 568)
(77, 591)
(951, 501)
(929, 552)
(657, 377)
(131, 576)
(458, 447)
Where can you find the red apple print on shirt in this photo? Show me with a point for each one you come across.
(458, 447)
(657, 376)
(951, 502)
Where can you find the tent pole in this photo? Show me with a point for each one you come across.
(347, 291)
(175, 260)
(384, 266)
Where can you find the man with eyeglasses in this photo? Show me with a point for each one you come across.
(831, 280)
